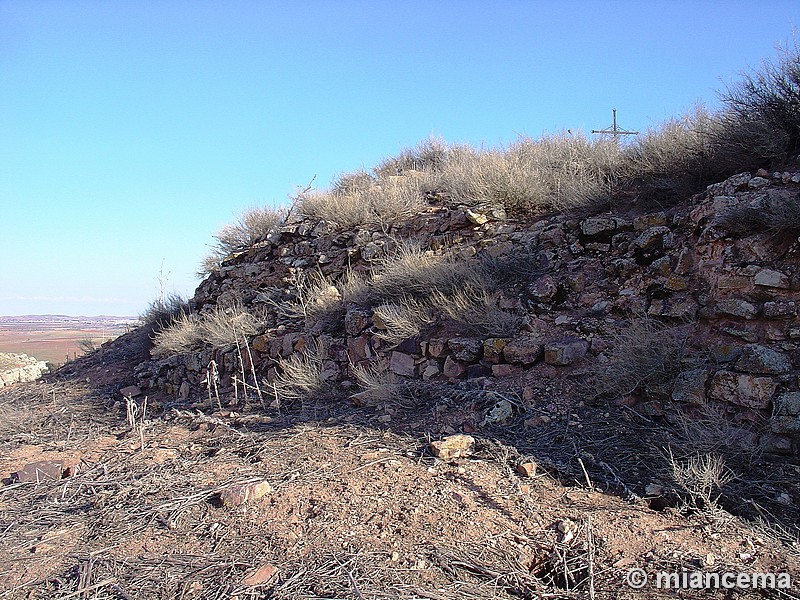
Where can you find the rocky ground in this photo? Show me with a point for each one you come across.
(114, 497)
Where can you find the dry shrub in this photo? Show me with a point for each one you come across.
(763, 111)
(430, 155)
(252, 226)
(477, 311)
(163, 312)
(701, 476)
(301, 375)
(220, 327)
(403, 320)
(645, 358)
(675, 159)
(356, 202)
(378, 384)
(556, 172)
(776, 215)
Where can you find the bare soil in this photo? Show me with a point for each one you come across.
(359, 506)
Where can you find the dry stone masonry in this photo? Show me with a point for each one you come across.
(735, 296)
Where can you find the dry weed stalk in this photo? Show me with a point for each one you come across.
(136, 416)
(702, 476)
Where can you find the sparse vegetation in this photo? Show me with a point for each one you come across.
(701, 476)
(302, 375)
(219, 327)
(776, 215)
(164, 312)
(645, 358)
(252, 226)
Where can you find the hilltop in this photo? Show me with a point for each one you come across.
(507, 373)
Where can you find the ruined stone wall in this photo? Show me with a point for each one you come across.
(736, 298)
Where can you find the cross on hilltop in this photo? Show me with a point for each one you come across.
(614, 130)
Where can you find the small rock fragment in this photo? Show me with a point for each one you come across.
(453, 446)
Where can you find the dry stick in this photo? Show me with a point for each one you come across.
(586, 475)
(591, 556)
(211, 381)
(277, 398)
(244, 375)
(253, 371)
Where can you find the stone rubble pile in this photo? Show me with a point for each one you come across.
(737, 296)
(18, 368)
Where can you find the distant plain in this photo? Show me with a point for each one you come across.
(56, 338)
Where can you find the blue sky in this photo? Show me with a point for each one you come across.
(131, 131)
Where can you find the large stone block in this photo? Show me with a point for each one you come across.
(742, 389)
(466, 349)
(760, 359)
(565, 352)
(402, 364)
(524, 349)
(690, 386)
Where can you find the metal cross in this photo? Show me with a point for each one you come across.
(614, 131)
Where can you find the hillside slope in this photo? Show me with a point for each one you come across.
(627, 379)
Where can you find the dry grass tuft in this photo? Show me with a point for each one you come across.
(777, 215)
(701, 476)
(302, 374)
(645, 359)
(163, 312)
(219, 328)
(252, 226)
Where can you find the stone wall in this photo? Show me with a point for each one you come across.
(736, 297)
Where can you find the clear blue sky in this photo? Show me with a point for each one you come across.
(131, 131)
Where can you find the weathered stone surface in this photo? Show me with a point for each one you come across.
(785, 424)
(758, 182)
(238, 494)
(775, 444)
(44, 470)
(431, 370)
(778, 310)
(760, 359)
(453, 446)
(475, 217)
(260, 576)
(505, 370)
(437, 348)
(402, 364)
(654, 238)
(501, 412)
(598, 226)
(493, 349)
(525, 349)
(527, 469)
(566, 351)
(130, 391)
(725, 353)
(466, 349)
(690, 386)
(736, 307)
(788, 404)
(676, 308)
(770, 278)
(543, 289)
(453, 369)
(742, 389)
(356, 321)
(19, 368)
